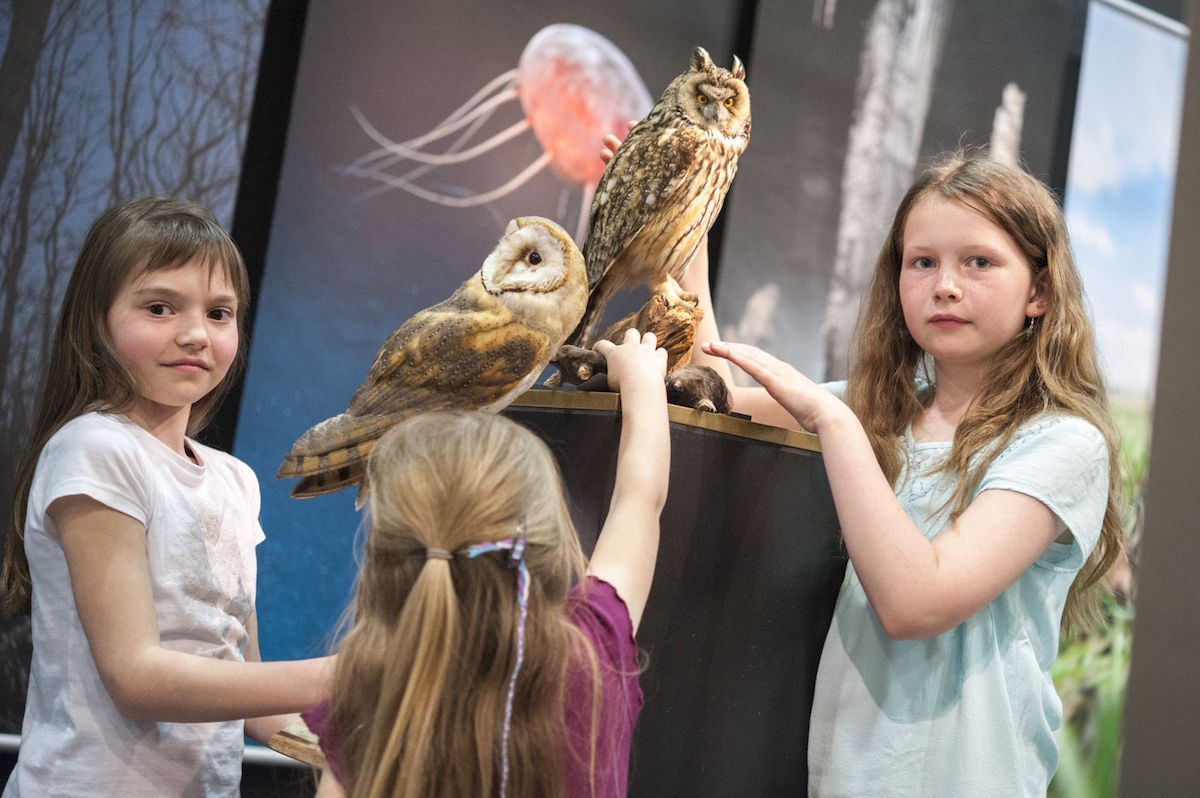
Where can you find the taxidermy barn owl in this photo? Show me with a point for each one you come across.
(479, 349)
(664, 186)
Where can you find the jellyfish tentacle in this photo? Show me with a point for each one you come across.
(505, 83)
(423, 169)
(404, 153)
(467, 135)
(456, 202)
(507, 80)
(386, 150)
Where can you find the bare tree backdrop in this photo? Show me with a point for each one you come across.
(103, 100)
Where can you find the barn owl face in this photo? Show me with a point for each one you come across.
(534, 255)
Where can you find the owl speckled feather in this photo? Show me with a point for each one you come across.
(479, 349)
(665, 185)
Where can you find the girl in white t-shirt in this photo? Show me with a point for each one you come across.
(132, 545)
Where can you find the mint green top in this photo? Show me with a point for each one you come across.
(973, 710)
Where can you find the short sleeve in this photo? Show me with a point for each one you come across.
(318, 721)
(94, 460)
(597, 610)
(600, 613)
(247, 484)
(1062, 461)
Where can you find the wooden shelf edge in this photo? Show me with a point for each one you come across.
(298, 742)
(717, 422)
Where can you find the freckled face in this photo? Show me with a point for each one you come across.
(176, 330)
(965, 287)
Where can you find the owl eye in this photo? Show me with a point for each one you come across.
(534, 258)
(728, 102)
(701, 99)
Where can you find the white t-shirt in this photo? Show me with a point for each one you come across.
(971, 711)
(201, 531)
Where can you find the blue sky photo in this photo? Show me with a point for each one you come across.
(1121, 181)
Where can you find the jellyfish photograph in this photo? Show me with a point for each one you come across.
(573, 85)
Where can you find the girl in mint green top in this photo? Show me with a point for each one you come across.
(971, 711)
(973, 466)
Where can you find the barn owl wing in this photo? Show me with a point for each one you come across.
(446, 356)
(645, 171)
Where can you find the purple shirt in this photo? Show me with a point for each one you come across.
(604, 619)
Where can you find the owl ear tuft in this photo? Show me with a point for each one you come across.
(701, 62)
(739, 70)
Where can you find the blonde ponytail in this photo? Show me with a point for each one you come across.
(413, 685)
(421, 693)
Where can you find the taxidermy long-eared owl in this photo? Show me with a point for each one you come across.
(479, 349)
(664, 186)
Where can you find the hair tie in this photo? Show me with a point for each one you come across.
(432, 553)
(516, 558)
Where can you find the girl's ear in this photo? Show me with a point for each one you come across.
(1039, 296)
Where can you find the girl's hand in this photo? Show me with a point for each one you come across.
(636, 363)
(806, 401)
(611, 142)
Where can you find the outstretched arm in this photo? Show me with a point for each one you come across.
(264, 728)
(626, 550)
(110, 578)
(917, 587)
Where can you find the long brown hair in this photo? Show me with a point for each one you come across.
(1056, 370)
(419, 694)
(85, 372)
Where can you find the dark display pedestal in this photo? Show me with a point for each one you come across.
(748, 570)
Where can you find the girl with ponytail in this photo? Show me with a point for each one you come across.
(486, 655)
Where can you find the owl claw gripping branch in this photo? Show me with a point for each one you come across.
(479, 349)
(691, 385)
